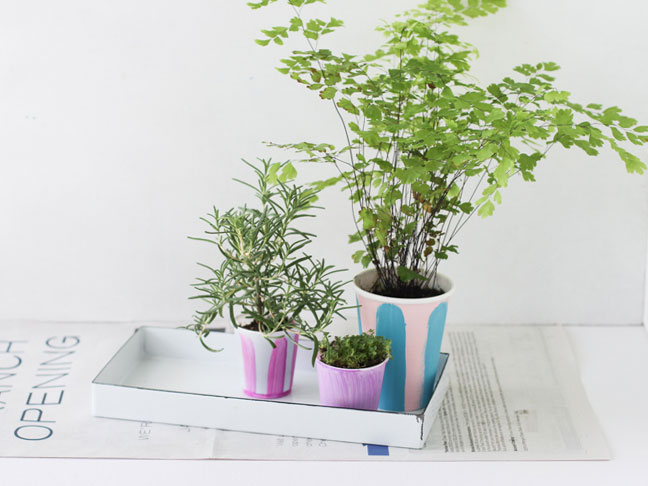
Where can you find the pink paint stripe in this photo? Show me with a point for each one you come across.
(416, 320)
(368, 312)
(249, 361)
(277, 368)
(294, 359)
(261, 395)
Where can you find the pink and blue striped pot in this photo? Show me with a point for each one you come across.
(268, 371)
(415, 327)
(350, 388)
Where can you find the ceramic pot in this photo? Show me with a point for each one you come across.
(415, 327)
(350, 388)
(268, 371)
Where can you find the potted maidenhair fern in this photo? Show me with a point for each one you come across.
(426, 148)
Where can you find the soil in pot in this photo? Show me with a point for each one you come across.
(406, 292)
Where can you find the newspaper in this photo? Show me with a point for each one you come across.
(515, 394)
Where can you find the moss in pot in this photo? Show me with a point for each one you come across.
(350, 370)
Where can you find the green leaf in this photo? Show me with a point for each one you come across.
(556, 96)
(347, 105)
(319, 185)
(564, 118)
(288, 173)
(634, 165)
(551, 66)
(586, 147)
(528, 162)
(295, 24)
(272, 173)
(634, 138)
(357, 256)
(501, 173)
(335, 23)
(627, 122)
(368, 219)
(487, 152)
(610, 115)
(355, 237)
(408, 175)
(407, 275)
(328, 93)
(392, 196)
(486, 209)
(617, 134)
(373, 112)
(453, 191)
(371, 137)
(466, 207)
(632, 162)
(366, 260)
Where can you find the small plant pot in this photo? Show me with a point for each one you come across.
(350, 388)
(415, 327)
(268, 371)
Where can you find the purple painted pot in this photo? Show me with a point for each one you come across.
(350, 388)
(268, 371)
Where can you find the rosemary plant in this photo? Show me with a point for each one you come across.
(427, 147)
(264, 274)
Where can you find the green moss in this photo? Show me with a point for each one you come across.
(354, 352)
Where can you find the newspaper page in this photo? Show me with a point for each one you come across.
(46, 372)
(515, 394)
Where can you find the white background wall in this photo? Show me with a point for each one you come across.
(122, 122)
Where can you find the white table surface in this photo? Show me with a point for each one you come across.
(614, 368)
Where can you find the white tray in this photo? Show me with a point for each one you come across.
(164, 375)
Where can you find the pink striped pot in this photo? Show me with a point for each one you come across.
(415, 327)
(268, 371)
(350, 388)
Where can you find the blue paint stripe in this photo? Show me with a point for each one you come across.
(377, 450)
(359, 318)
(436, 324)
(390, 323)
